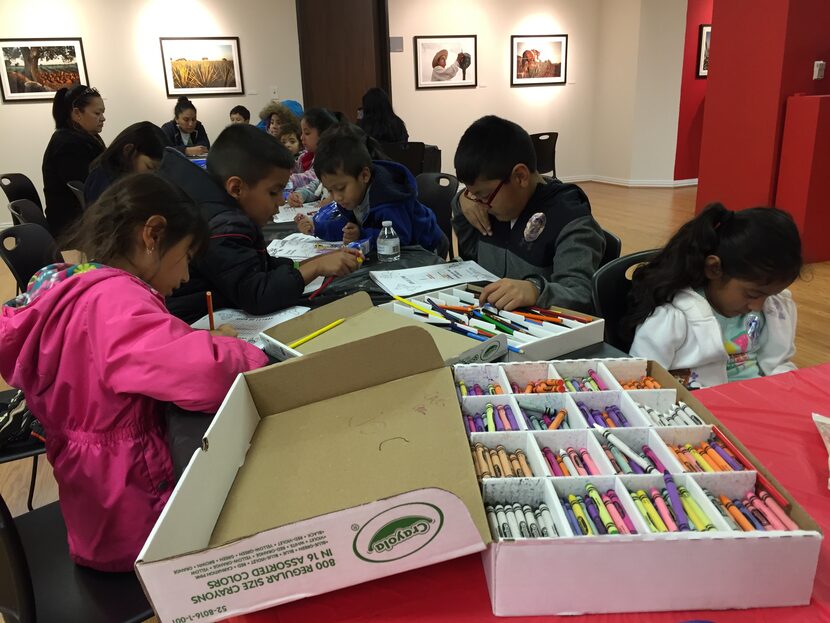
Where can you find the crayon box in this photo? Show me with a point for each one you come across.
(363, 319)
(316, 474)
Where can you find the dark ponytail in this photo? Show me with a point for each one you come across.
(760, 245)
(80, 96)
(183, 104)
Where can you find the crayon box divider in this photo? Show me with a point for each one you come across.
(471, 405)
(481, 373)
(679, 435)
(531, 491)
(662, 400)
(647, 481)
(601, 400)
(575, 438)
(523, 373)
(576, 486)
(514, 441)
(635, 438)
(625, 370)
(553, 401)
(570, 368)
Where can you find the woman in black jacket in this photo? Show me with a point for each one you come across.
(185, 132)
(76, 142)
(379, 120)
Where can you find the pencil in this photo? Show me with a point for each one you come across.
(209, 296)
(310, 336)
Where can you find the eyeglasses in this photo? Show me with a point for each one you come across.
(489, 200)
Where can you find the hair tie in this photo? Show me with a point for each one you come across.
(725, 219)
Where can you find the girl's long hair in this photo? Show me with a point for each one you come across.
(760, 245)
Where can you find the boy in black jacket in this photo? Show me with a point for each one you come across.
(542, 238)
(247, 171)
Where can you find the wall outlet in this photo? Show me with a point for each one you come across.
(274, 95)
(818, 70)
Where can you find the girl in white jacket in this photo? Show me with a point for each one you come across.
(712, 306)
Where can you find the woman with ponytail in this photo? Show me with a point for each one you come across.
(712, 306)
(186, 133)
(76, 142)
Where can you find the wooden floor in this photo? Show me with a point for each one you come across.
(643, 218)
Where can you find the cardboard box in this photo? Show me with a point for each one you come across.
(551, 340)
(363, 319)
(632, 573)
(318, 473)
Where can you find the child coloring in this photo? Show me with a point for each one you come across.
(97, 354)
(713, 305)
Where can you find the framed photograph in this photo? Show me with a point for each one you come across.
(445, 62)
(703, 50)
(201, 65)
(33, 69)
(538, 60)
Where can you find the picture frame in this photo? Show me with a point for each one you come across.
(538, 60)
(201, 66)
(446, 61)
(703, 40)
(34, 69)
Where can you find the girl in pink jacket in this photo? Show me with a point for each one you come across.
(97, 354)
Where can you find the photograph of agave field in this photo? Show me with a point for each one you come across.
(33, 69)
(201, 66)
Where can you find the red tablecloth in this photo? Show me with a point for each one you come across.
(771, 416)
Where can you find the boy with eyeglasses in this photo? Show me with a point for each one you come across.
(541, 238)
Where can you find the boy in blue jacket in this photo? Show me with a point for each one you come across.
(372, 192)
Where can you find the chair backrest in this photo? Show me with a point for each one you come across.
(544, 144)
(410, 155)
(77, 188)
(17, 598)
(28, 212)
(611, 285)
(613, 247)
(436, 191)
(18, 186)
(33, 249)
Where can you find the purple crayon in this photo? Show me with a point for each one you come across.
(619, 414)
(511, 418)
(676, 504)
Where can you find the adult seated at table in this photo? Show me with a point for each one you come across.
(185, 132)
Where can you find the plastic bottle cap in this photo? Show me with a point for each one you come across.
(387, 223)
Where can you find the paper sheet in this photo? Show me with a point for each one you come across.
(247, 326)
(287, 213)
(301, 247)
(823, 425)
(410, 281)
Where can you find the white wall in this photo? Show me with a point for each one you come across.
(123, 60)
(440, 116)
(617, 114)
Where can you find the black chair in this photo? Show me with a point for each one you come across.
(611, 285)
(18, 186)
(545, 146)
(436, 191)
(77, 188)
(33, 249)
(410, 155)
(17, 450)
(39, 581)
(29, 212)
(613, 248)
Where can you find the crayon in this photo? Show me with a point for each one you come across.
(775, 508)
(548, 520)
(756, 512)
(577, 461)
(612, 459)
(645, 382)
(651, 511)
(491, 425)
(493, 521)
(588, 462)
(615, 500)
(495, 463)
(554, 466)
(623, 466)
(579, 513)
(654, 460)
(638, 504)
(746, 513)
(714, 458)
(530, 519)
(597, 380)
(511, 418)
(736, 514)
(676, 503)
(663, 510)
(698, 459)
(690, 413)
(479, 422)
(593, 513)
(696, 514)
(481, 467)
(604, 516)
(501, 518)
(557, 421)
(571, 517)
(512, 521)
(316, 333)
(517, 468)
(725, 456)
(521, 520)
(592, 527)
(723, 512)
(504, 461)
(462, 388)
(568, 463)
(523, 463)
(502, 418)
(615, 515)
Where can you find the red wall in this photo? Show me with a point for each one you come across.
(762, 52)
(692, 94)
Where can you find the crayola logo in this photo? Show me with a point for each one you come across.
(398, 532)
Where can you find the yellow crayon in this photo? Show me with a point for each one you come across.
(491, 425)
(305, 339)
(462, 388)
(698, 517)
(579, 513)
(639, 504)
(652, 513)
(704, 465)
(604, 515)
(420, 308)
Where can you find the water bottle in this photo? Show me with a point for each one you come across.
(389, 245)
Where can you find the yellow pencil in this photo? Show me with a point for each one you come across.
(418, 307)
(305, 339)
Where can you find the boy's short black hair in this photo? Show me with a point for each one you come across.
(490, 148)
(241, 110)
(342, 147)
(246, 152)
